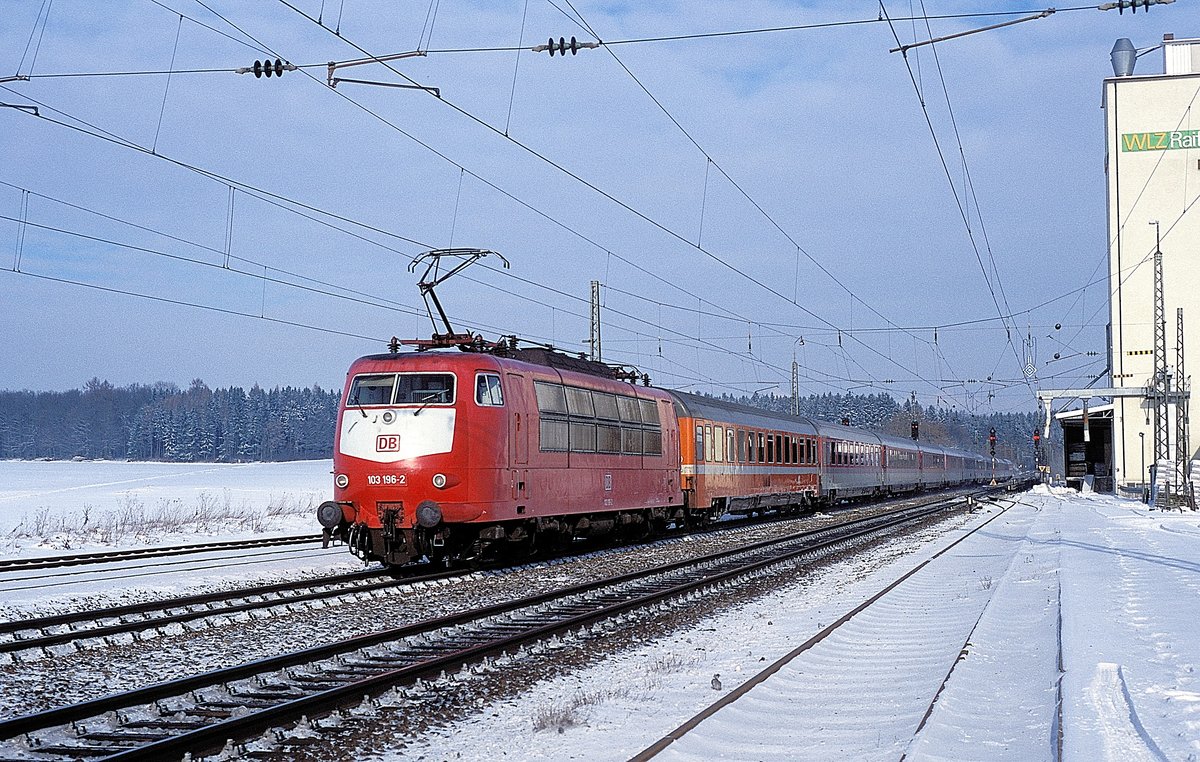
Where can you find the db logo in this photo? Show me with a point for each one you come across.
(387, 443)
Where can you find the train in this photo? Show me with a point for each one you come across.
(464, 456)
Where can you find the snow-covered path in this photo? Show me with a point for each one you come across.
(863, 691)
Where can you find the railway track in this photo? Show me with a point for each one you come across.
(198, 714)
(42, 633)
(48, 634)
(133, 554)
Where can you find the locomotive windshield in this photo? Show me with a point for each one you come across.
(372, 390)
(402, 389)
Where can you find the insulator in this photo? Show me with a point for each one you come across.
(550, 46)
(258, 69)
(278, 67)
(574, 46)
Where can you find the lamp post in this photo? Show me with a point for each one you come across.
(1142, 441)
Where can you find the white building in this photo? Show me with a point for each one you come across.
(1152, 163)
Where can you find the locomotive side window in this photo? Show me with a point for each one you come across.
(649, 412)
(424, 388)
(652, 442)
(583, 437)
(631, 441)
(582, 420)
(630, 410)
(608, 438)
(579, 402)
(487, 390)
(551, 398)
(553, 435)
(606, 406)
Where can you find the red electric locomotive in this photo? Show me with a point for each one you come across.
(464, 455)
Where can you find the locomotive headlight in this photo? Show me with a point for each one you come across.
(342, 481)
(388, 416)
(439, 481)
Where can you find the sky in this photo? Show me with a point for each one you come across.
(746, 201)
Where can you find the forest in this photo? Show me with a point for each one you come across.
(163, 422)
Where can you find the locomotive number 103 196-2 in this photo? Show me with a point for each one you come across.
(399, 480)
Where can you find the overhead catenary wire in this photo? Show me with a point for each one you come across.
(711, 162)
(957, 200)
(731, 318)
(575, 176)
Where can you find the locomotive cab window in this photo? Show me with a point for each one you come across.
(372, 390)
(487, 390)
(424, 388)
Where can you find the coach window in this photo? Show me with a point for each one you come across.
(770, 448)
(741, 446)
(709, 445)
(699, 442)
(487, 390)
(730, 450)
(718, 444)
(750, 447)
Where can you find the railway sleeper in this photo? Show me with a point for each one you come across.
(78, 752)
(166, 724)
(122, 736)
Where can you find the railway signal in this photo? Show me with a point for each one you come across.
(992, 441)
(916, 430)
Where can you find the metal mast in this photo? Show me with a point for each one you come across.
(795, 386)
(1182, 450)
(1162, 450)
(594, 339)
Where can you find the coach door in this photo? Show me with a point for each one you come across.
(519, 419)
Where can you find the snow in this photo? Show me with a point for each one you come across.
(983, 617)
(1067, 614)
(196, 502)
(51, 508)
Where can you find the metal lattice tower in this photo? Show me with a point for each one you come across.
(594, 339)
(1162, 449)
(1182, 449)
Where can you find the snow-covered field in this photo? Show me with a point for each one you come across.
(54, 506)
(1102, 589)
